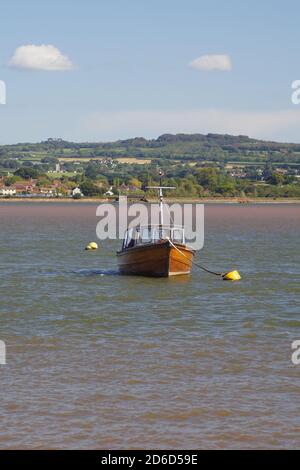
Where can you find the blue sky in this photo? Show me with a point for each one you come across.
(131, 72)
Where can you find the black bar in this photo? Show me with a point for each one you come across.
(141, 459)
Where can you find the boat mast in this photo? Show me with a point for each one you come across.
(161, 199)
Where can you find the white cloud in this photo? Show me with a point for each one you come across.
(43, 57)
(277, 125)
(212, 62)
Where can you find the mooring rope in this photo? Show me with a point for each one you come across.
(196, 264)
(232, 275)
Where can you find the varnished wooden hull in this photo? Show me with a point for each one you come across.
(156, 260)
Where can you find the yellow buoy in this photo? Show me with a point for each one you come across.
(92, 246)
(231, 276)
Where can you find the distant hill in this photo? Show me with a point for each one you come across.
(183, 147)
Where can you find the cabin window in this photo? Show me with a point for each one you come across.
(177, 235)
(129, 240)
(164, 233)
(155, 235)
(146, 235)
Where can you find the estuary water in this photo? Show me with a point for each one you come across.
(98, 360)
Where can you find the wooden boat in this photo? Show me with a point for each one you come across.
(156, 251)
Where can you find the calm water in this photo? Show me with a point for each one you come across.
(95, 360)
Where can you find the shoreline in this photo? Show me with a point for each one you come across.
(206, 200)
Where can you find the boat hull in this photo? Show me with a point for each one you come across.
(156, 260)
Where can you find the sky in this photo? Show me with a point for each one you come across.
(102, 70)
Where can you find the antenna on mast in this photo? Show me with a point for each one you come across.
(160, 194)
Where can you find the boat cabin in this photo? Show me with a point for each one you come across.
(143, 235)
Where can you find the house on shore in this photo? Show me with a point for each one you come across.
(7, 191)
(109, 192)
(77, 192)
